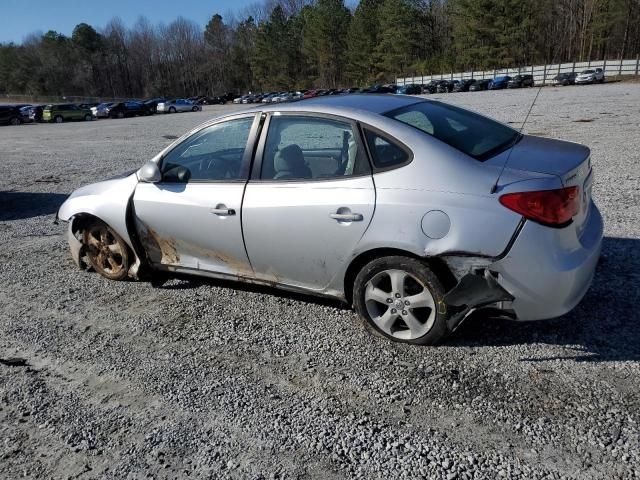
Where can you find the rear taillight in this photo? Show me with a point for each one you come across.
(550, 207)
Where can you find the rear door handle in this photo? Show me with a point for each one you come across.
(347, 217)
(223, 211)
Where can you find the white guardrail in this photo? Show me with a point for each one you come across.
(542, 74)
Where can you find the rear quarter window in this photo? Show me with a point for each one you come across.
(385, 153)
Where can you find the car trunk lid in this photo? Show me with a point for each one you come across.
(570, 162)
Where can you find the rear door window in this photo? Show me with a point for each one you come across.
(311, 148)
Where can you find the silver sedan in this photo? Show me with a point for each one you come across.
(415, 212)
(177, 105)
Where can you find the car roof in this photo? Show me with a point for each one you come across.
(374, 103)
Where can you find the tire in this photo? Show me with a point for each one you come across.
(14, 121)
(194, 109)
(393, 317)
(88, 118)
(106, 251)
(120, 114)
(58, 119)
(172, 110)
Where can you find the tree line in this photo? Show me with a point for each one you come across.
(294, 44)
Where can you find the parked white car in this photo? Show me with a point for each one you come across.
(590, 76)
(101, 111)
(178, 105)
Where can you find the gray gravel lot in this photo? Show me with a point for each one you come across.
(205, 379)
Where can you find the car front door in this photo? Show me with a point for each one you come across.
(310, 199)
(191, 218)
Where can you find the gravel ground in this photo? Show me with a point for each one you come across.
(205, 379)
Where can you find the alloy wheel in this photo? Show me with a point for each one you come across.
(106, 252)
(399, 304)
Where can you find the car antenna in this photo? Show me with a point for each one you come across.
(504, 165)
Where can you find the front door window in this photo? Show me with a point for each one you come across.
(214, 154)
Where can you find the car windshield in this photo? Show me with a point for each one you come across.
(471, 133)
(499, 79)
(588, 71)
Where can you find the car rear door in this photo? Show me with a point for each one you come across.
(131, 108)
(74, 112)
(310, 199)
(191, 218)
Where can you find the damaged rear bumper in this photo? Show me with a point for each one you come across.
(544, 274)
(549, 271)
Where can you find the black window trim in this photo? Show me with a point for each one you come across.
(247, 157)
(389, 138)
(259, 154)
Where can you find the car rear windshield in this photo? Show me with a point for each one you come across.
(473, 134)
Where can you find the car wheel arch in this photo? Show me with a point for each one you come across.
(437, 266)
(77, 224)
(80, 221)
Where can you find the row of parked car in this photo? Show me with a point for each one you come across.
(290, 96)
(66, 112)
(16, 114)
(501, 82)
(434, 86)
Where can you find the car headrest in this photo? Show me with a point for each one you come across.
(289, 162)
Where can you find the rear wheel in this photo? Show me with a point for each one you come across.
(14, 121)
(88, 118)
(172, 110)
(194, 109)
(402, 299)
(58, 119)
(108, 254)
(120, 115)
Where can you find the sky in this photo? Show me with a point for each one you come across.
(22, 17)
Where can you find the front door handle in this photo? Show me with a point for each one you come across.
(222, 211)
(347, 217)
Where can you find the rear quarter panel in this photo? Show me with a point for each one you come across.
(438, 178)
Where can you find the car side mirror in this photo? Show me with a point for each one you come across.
(149, 173)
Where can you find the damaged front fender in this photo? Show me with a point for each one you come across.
(75, 245)
(106, 201)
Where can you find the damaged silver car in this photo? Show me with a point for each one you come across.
(415, 212)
